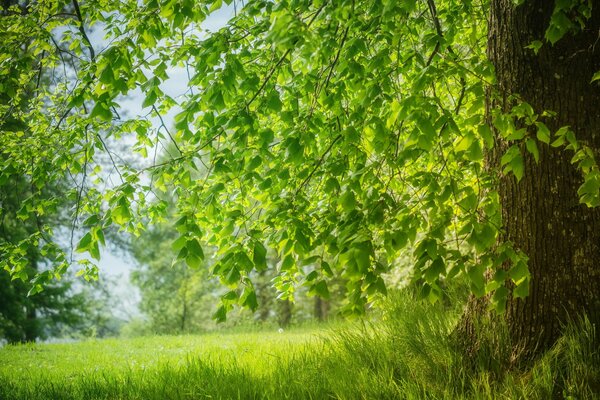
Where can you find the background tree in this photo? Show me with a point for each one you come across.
(30, 209)
(174, 297)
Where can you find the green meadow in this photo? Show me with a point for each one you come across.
(406, 352)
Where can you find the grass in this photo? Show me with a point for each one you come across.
(405, 353)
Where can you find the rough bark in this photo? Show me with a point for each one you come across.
(542, 214)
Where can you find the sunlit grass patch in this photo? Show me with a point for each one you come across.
(405, 353)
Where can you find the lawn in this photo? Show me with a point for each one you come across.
(225, 365)
(405, 353)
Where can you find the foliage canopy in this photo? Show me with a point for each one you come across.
(338, 134)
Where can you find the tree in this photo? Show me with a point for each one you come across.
(542, 213)
(340, 134)
(26, 318)
(175, 298)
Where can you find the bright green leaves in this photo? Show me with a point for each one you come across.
(532, 148)
(259, 256)
(512, 161)
(286, 30)
(190, 251)
(589, 191)
(102, 111)
(498, 274)
(536, 45)
(471, 145)
(543, 133)
(510, 266)
(430, 267)
(245, 297)
(482, 236)
(427, 133)
(90, 242)
(188, 246)
(336, 130)
(319, 289)
(287, 263)
(152, 91)
(569, 16)
(347, 201)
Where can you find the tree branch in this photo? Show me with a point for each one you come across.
(281, 60)
(83, 33)
(318, 164)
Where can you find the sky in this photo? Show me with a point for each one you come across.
(115, 266)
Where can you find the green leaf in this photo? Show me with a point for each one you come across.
(595, 77)
(230, 296)
(35, 289)
(287, 263)
(347, 201)
(513, 162)
(259, 256)
(193, 261)
(102, 111)
(179, 243)
(92, 220)
(518, 272)
(215, 5)
(464, 143)
(477, 279)
(543, 133)
(326, 268)
(84, 243)
(107, 75)
(559, 141)
(273, 102)
(536, 45)
(499, 299)
(221, 314)
(379, 285)
(486, 134)
(433, 272)
(195, 249)
(533, 149)
(518, 167)
(248, 298)
(522, 289)
(150, 99)
(233, 276)
(320, 289)
(182, 254)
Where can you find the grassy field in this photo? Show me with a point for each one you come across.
(404, 354)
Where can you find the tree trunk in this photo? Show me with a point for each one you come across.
(541, 214)
(321, 309)
(285, 313)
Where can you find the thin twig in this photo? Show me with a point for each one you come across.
(83, 33)
(318, 163)
(337, 57)
(162, 123)
(281, 60)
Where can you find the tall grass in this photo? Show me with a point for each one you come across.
(406, 352)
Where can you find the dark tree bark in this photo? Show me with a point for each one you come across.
(321, 309)
(541, 214)
(285, 313)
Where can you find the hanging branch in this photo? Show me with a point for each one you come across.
(83, 33)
